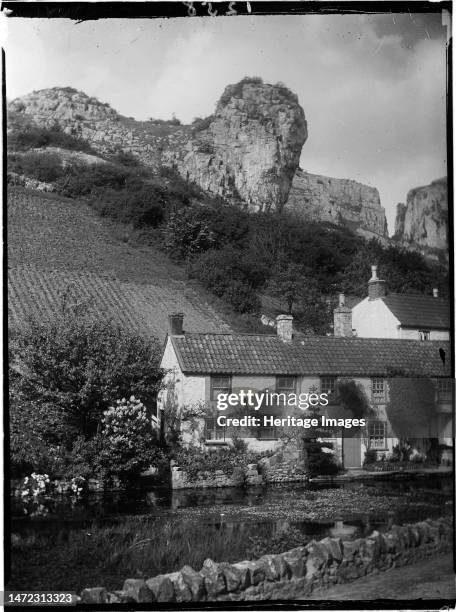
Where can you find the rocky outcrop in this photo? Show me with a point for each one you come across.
(422, 222)
(340, 201)
(248, 151)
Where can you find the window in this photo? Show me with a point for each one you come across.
(220, 384)
(424, 334)
(444, 390)
(266, 433)
(285, 385)
(212, 431)
(377, 434)
(378, 390)
(328, 385)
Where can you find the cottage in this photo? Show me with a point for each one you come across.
(202, 366)
(399, 315)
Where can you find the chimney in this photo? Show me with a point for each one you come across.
(342, 319)
(376, 287)
(435, 292)
(285, 327)
(176, 324)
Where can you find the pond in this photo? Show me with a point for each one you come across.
(101, 539)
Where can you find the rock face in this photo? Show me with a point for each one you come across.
(422, 222)
(248, 151)
(341, 201)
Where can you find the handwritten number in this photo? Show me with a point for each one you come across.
(191, 10)
(231, 10)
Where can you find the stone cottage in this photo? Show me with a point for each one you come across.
(202, 366)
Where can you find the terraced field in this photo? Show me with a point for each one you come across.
(59, 247)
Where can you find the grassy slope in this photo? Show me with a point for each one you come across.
(58, 246)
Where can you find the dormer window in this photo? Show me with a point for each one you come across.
(378, 390)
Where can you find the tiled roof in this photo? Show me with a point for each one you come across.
(315, 355)
(421, 311)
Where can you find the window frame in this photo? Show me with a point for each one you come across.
(372, 434)
(445, 394)
(219, 388)
(214, 430)
(424, 334)
(378, 396)
(332, 395)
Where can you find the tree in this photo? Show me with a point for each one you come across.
(64, 373)
(291, 282)
(411, 406)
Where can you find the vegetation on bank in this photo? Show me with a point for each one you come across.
(65, 376)
(141, 547)
(238, 257)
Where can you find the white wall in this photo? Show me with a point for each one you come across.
(413, 334)
(372, 319)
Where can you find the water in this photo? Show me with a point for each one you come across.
(216, 507)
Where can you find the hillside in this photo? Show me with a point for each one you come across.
(58, 246)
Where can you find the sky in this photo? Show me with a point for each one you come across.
(373, 87)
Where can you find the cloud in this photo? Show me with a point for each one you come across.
(372, 86)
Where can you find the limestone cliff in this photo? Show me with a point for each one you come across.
(422, 222)
(341, 201)
(248, 151)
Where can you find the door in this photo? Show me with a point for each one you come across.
(352, 451)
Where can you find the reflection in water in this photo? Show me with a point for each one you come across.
(160, 504)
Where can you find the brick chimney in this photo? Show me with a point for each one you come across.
(342, 319)
(176, 324)
(435, 292)
(376, 287)
(285, 327)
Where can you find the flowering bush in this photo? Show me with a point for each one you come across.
(34, 485)
(129, 444)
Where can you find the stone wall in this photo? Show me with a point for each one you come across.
(292, 575)
(286, 465)
(205, 479)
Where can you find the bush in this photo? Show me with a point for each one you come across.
(318, 461)
(228, 274)
(198, 124)
(370, 456)
(44, 167)
(36, 138)
(129, 445)
(63, 375)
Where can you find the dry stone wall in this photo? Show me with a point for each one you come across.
(292, 575)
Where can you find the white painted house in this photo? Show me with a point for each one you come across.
(200, 366)
(399, 315)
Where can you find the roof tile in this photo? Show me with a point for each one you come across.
(314, 355)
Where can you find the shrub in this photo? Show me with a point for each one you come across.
(185, 234)
(128, 443)
(198, 124)
(227, 273)
(320, 462)
(370, 456)
(235, 91)
(239, 445)
(37, 137)
(65, 373)
(44, 167)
